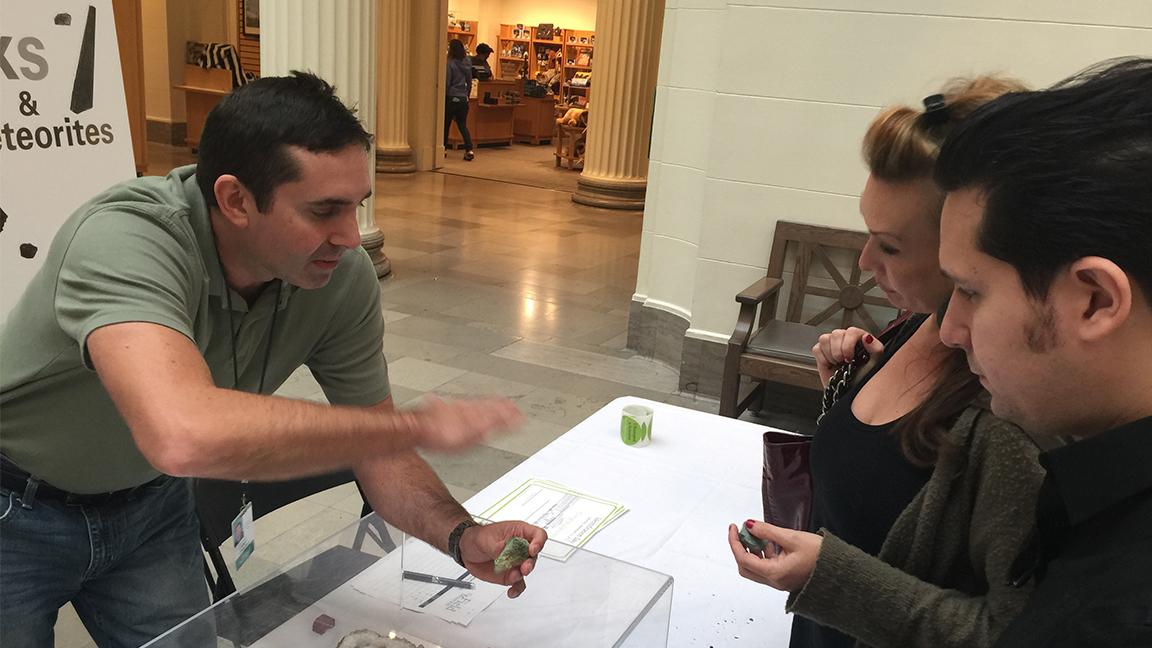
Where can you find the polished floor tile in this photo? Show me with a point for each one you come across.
(400, 346)
(631, 371)
(453, 333)
(528, 164)
(301, 384)
(560, 408)
(470, 384)
(70, 632)
(393, 316)
(421, 375)
(287, 546)
(475, 468)
(534, 435)
(162, 158)
(405, 397)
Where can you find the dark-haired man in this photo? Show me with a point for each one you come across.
(145, 349)
(481, 68)
(1047, 233)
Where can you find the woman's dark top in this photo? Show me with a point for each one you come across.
(861, 482)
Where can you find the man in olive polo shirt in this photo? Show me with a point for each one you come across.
(166, 310)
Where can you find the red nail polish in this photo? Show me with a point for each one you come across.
(868, 339)
(750, 523)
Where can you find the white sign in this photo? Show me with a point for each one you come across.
(63, 125)
(569, 517)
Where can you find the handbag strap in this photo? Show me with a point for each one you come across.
(838, 385)
(845, 375)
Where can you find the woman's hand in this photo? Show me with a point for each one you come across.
(838, 347)
(788, 562)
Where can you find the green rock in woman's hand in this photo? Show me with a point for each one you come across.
(751, 542)
(515, 552)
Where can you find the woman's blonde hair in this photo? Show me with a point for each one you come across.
(901, 145)
(902, 142)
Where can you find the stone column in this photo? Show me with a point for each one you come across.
(429, 42)
(336, 40)
(623, 92)
(393, 152)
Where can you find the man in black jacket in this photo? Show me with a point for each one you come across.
(1047, 233)
(481, 69)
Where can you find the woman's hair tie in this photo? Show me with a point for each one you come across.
(935, 110)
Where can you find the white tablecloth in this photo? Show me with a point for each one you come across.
(700, 473)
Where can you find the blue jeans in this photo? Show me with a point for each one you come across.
(132, 568)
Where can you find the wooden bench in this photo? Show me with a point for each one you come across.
(570, 143)
(767, 348)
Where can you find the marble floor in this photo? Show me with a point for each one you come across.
(496, 288)
(520, 163)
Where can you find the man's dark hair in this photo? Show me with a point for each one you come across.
(248, 133)
(483, 48)
(1066, 173)
(456, 49)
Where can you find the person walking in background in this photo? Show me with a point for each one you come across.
(459, 86)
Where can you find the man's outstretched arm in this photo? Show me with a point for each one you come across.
(186, 426)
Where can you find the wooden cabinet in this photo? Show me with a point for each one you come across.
(512, 50)
(563, 63)
(546, 56)
(489, 123)
(203, 89)
(577, 85)
(465, 31)
(534, 120)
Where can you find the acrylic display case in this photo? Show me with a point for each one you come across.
(356, 580)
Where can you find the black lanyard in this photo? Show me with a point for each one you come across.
(232, 335)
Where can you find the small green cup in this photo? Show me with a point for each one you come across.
(636, 426)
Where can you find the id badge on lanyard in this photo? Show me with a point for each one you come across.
(243, 534)
(243, 525)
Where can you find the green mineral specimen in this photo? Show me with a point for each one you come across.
(515, 552)
(751, 542)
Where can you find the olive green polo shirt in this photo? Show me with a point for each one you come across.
(143, 251)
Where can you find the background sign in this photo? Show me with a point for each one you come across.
(63, 125)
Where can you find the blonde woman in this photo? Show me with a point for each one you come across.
(921, 497)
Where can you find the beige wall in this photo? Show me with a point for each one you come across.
(571, 14)
(767, 126)
(157, 82)
(166, 26)
(487, 12)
